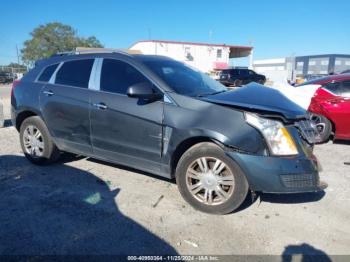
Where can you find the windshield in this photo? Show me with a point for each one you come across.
(183, 79)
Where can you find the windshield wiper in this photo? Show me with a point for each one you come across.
(210, 94)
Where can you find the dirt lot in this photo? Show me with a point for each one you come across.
(83, 206)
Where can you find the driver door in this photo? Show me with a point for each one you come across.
(123, 129)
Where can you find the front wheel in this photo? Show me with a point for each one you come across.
(36, 142)
(209, 180)
(323, 125)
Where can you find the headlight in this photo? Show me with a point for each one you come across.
(277, 136)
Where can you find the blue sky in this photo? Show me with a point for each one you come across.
(277, 28)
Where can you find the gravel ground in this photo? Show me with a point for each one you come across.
(84, 206)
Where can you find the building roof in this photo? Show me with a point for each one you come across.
(194, 43)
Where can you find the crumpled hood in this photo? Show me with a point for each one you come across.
(258, 97)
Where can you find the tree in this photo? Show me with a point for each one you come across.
(52, 38)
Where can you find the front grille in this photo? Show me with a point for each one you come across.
(299, 180)
(309, 131)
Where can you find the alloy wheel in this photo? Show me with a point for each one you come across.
(33, 141)
(210, 181)
(320, 125)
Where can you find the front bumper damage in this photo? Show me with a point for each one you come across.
(279, 175)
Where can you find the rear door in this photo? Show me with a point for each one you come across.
(244, 76)
(338, 106)
(343, 112)
(65, 105)
(125, 130)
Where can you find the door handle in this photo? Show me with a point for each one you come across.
(48, 93)
(101, 106)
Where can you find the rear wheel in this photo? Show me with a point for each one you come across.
(209, 180)
(323, 125)
(36, 142)
(237, 82)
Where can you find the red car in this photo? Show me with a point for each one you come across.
(331, 106)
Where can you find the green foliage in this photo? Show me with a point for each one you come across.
(17, 66)
(52, 38)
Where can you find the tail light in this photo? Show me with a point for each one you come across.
(14, 84)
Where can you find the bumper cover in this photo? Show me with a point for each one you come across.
(279, 174)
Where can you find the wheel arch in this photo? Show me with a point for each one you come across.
(183, 146)
(22, 116)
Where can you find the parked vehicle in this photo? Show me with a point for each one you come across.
(6, 78)
(330, 106)
(240, 76)
(158, 115)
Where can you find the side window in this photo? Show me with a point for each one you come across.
(235, 72)
(244, 72)
(117, 76)
(75, 73)
(47, 73)
(251, 72)
(334, 88)
(345, 89)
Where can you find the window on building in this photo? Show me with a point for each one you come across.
(75, 73)
(341, 64)
(219, 53)
(188, 54)
(325, 62)
(117, 76)
(47, 73)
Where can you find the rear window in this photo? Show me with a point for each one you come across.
(339, 88)
(47, 73)
(75, 73)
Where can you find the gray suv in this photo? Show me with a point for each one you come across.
(159, 115)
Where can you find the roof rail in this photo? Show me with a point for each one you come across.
(91, 50)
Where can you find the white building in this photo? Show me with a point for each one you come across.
(205, 57)
(276, 70)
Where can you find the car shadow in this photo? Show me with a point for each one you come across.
(62, 210)
(297, 198)
(342, 142)
(305, 253)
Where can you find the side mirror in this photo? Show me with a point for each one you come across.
(143, 90)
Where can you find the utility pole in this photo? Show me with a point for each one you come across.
(17, 54)
(251, 54)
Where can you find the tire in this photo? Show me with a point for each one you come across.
(324, 126)
(235, 193)
(45, 151)
(237, 82)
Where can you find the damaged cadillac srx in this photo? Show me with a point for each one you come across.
(161, 116)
